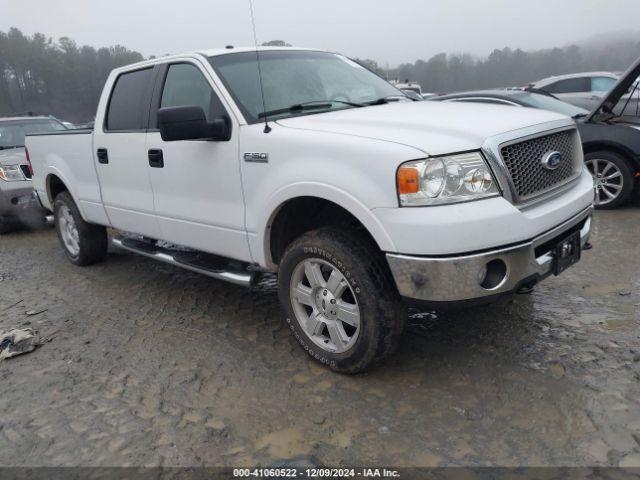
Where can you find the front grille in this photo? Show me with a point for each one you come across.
(25, 171)
(529, 177)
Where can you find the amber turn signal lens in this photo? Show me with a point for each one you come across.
(408, 180)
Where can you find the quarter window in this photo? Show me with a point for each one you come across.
(129, 101)
(602, 84)
(185, 85)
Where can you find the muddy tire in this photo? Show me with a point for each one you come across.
(614, 180)
(82, 242)
(339, 299)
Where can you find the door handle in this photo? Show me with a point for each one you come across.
(103, 156)
(156, 160)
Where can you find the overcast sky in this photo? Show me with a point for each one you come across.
(390, 32)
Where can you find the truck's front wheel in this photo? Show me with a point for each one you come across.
(339, 299)
(84, 243)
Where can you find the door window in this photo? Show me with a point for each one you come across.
(129, 103)
(185, 85)
(602, 84)
(570, 85)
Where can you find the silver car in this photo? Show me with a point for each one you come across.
(17, 203)
(584, 90)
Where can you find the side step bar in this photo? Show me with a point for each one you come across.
(192, 262)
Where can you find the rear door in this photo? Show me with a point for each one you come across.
(572, 90)
(197, 186)
(600, 86)
(121, 157)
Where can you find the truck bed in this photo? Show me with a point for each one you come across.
(71, 152)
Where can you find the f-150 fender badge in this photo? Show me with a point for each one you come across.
(256, 157)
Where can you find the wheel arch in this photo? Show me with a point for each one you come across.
(622, 150)
(309, 209)
(55, 185)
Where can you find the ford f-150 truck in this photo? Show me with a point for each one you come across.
(236, 162)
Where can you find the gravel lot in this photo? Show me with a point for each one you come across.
(152, 365)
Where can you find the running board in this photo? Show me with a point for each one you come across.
(188, 260)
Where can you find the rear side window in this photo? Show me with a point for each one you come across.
(571, 85)
(129, 101)
(185, 85)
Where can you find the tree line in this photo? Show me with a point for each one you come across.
(61, 78)
(55, 78)
(444, 73)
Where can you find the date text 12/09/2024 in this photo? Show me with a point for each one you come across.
(316, 473)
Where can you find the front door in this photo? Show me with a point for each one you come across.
(197, 186)
(121, 157)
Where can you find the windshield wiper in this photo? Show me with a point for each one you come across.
(387, 99)
(8, 147)
(313, 105)
(579, 115)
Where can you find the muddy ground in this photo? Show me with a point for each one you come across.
(152, 365)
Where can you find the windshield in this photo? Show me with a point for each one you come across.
(545, 102)
(295, 77)
(12, 132)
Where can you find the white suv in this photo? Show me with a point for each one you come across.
(585, 90)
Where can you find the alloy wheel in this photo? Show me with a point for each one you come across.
(608, 180)
(325, 305)
(68, 231)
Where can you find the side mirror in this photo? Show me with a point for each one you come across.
(190, 123)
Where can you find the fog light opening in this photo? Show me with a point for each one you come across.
(495, 275)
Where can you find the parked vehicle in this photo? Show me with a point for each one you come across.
(611, 139)
(585, 90)
(359, 199)
(409, 86)
(17, 203)
(514, 98)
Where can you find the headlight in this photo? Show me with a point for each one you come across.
(11, 173)
(441, 180)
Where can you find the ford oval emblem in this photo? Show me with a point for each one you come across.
(552, 160)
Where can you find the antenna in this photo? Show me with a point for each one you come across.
(267, 128)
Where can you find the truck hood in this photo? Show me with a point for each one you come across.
(433, 127)
(13, 156)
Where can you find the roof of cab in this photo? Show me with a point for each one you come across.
(226, 51)
(206, 53)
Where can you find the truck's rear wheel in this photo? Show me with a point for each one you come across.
(83, 243)
(339, 299)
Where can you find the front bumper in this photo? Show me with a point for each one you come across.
(459, 278)
(16, 198)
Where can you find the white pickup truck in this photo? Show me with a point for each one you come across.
(360, 199)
